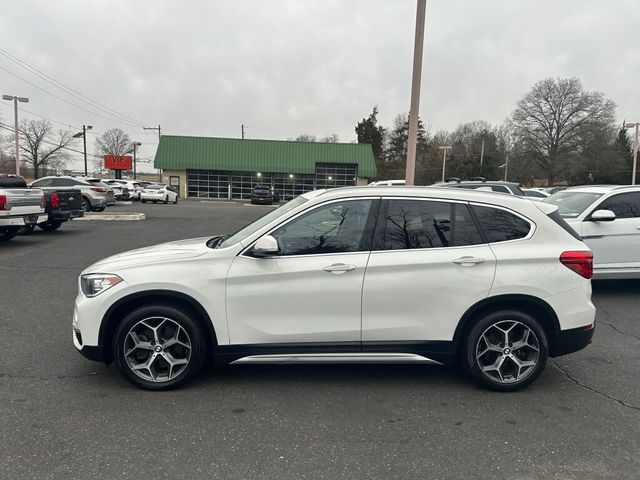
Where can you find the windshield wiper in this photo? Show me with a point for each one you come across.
(216, 241)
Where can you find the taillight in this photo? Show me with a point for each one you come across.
(43, 201)
(55, 201)
(98, 189)
(579, 261)
(3, 202)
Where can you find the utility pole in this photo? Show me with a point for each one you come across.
(635, 149)
(506, 165)
(481, 156)
(415, 92)
(159, 135)
(16, 99)
(444, 148)
(242, 131)
(133, 148)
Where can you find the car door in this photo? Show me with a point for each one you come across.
(428, 265)
(615, 244)
(311, 291)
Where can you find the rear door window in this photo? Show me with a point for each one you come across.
(409, 224)
(499, 225)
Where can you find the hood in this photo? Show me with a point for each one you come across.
(164, 252)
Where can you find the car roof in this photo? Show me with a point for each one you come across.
(602, 189)
(481, 196)
(475, 182)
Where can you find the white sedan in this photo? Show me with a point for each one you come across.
(608, 219)
(158, 193)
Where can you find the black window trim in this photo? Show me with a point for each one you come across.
(369, 227)
(378, 243)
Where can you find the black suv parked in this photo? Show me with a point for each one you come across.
(264, 194)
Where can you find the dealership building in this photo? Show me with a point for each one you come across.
(228, 168)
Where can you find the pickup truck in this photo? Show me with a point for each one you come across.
(19, 206)
(61, 205)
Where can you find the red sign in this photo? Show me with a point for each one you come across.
(115, 162)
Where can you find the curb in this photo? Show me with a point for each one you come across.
(125, 216)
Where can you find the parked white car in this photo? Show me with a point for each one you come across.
(608, 219)
(372, 274)
(158, 193)
(538, 194)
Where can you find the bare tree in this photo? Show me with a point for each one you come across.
(41, 148)
(113, 142)
(333, 138)
(306, 137)
(556, 117)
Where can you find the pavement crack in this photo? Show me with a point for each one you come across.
(591, 389)
(53, 377)
(622, 332)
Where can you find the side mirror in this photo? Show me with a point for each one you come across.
(603, 216)
(266, 246)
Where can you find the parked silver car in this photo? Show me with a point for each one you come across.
(94, 197)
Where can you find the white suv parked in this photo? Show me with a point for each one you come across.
(608, 219)
(373, 274)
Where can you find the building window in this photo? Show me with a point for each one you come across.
(332, 175)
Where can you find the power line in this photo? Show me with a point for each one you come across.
(67, 101)
(6, 127)
(67, 89)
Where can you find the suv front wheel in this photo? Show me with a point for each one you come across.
(506, 350)
(159, 347)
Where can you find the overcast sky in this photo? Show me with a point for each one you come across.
(289, 67)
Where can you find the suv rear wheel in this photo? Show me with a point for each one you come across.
(506, 350)
(159, 347)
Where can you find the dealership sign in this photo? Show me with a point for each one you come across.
(117, 162)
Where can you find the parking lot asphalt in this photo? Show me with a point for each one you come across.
(62, 416)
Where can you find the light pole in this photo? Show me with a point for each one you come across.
(83, 134)
(415, 92)
(444, 149)
(133, 149)
(635, 149)
(17, 136)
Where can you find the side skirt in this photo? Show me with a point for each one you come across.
(432, 353)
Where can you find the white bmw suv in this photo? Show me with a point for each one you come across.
(376, 274)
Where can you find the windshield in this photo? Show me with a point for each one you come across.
(262, 221)
(572, 204)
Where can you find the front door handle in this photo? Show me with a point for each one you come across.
(469, 261)
(339, 268)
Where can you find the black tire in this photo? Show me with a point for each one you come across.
(476, 343)
(196, 335)
(166, 199)
(99, 209)
(155, 201)
(8, 234)
(26, 229)
(86, 204)
(50, 226)
(175, 202)
(143, 200)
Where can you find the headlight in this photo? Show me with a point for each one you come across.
(96, 283)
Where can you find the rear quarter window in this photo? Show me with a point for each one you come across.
(499, 225)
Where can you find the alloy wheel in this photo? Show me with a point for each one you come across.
(157, 349)
(507, 351)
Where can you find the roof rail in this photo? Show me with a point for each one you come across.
(478, 179)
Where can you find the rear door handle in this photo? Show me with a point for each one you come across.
(339, 268)
(468, 261)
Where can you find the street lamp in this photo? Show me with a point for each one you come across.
(134, 145)
(635, 149)
(15, 111)
(444, 149)
(83, 134)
